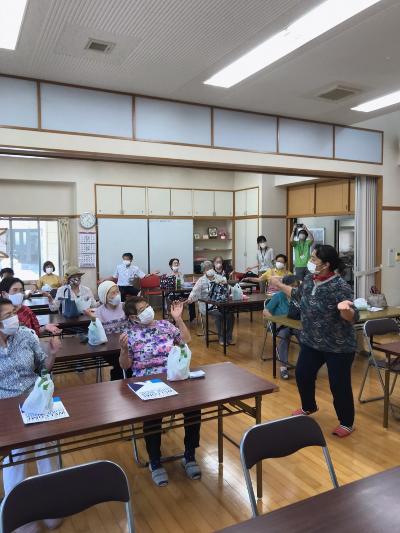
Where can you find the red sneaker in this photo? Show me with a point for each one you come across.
(342, 431)
(302, 412)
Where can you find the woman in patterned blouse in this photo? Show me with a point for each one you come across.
(327, 337)
(145, 348)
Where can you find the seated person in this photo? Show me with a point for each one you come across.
(21, 357)
(49, 280)
(6, 273)
(201, 291)
(144, 348)
(13, 290)
(111, 314)
(218, 264)
(174, 265)
(280, 269)
(81, 295)
(276, 306)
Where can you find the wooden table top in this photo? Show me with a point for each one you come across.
(111, 404)
(365, 506)
(72, 348)
(62, 321)
(255, 300)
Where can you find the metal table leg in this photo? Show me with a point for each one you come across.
(386, 393)
(220, 435)
(224, 315)
(274, 349)
(207, 336)
(259, 464)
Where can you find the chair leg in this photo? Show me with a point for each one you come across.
(265, 342)
(250, 490)
(371, 363)
(331, 469)
(129, 517)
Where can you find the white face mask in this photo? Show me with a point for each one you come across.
(16, 299)
(175, 268)
(312, 267)
(263, 245)
(302, 237)
(210, 274)
(279, 265)
(146, 317)
(218, 266)
(10, 325)
(49, 270)
(116, 300)
(126, 262)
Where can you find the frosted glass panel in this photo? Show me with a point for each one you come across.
(18, 102)
(358, 145)
(245, 131)
(86, 111)
(305, 138)
(159, 120)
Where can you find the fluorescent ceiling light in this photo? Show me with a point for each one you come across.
(11, 16)
(378, 103)
(319, 20)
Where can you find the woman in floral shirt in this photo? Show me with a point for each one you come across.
(144, 348)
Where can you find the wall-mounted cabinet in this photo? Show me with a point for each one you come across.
(301, 200)
(352, 196)
(246, 202)
(332, 197)
(246, 233)
(159, 202)
(181, 203)
(116, 200)
(212, 203)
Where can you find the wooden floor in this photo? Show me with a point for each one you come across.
(220, 498)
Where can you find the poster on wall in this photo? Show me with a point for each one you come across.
(87, 249)
(319, 235)
(3, 243)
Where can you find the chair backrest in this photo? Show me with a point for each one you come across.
(63, 493)
(280, 438)
(237, 276)
(150, 282)
(380, 326)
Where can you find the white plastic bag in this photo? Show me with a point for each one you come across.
(96, 333)
(237, 292)
(178, 363)
(361, 304)
(46, 288)
(82, 304)
(40, 400)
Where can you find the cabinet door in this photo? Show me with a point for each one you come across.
(108, 200)
(252, 201)
(181, 203)
(352, 196)
(251, 240)
(159, 202)
(240, 203)
(332, 198)
(240, 246)
(203, 203)
(134, 200)
(301, 200)
(223, 203)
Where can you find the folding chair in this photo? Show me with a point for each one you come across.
(381, 326)
(280, 438)
(65, 492)
(150, 286)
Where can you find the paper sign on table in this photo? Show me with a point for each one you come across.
(152, 389)
(56, 413)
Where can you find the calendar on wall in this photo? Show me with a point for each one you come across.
(87, 249)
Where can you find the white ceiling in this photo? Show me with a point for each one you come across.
(169, 47)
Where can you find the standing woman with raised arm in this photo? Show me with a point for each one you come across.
(327, 337)
(265, 260)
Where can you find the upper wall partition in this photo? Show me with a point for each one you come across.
(56, 107)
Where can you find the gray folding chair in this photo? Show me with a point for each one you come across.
(65, 492)
(280, 438)
(372, 328)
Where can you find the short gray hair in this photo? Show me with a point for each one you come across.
(206, 265)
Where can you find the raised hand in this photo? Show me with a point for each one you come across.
(176, 310)
(123, 341)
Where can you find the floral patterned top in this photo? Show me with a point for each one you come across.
(149, 346)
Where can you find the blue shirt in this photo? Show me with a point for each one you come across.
(278, 304)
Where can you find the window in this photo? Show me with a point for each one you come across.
(28, 243)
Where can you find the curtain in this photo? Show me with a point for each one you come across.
(365, 236)
(64, 239)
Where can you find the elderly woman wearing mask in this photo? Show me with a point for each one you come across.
(81, 295)
(201, 291)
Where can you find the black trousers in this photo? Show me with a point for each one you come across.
(339, 373)
(191, 440)
(124, 290)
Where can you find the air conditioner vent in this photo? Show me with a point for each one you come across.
(339, 92)
(103, 47)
